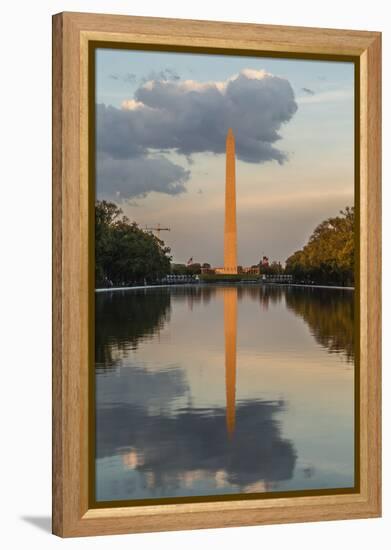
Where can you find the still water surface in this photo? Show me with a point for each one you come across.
(207, 390)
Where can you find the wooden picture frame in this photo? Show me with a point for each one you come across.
(72, 280)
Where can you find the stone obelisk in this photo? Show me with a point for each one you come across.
(230, 236)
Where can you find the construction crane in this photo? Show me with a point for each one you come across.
(157, 228)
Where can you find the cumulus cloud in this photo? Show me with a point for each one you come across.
(167, 114)
(136, 177)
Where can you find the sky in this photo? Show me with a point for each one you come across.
(161, 124)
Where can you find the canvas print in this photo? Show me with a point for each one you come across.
(224, 342)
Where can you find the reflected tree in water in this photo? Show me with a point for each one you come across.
(270, 295)
(329, 315)
(123, 318)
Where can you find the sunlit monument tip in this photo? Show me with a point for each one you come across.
(230, 233)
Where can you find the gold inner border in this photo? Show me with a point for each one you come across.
(93, 45)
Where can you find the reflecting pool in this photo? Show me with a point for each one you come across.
(209, 390)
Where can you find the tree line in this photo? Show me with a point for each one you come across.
(124, 253)
(328, 257)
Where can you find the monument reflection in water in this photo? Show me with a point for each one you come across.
(209, 390)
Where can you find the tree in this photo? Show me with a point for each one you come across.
(328, 257)
(182, 269)
(194, 269)
(124, 253)
(273, 268)
(179, 269)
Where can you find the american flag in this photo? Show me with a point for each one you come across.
(189, 261)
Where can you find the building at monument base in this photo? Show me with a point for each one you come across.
(252, 270)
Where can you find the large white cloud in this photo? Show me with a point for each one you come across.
(190, 117)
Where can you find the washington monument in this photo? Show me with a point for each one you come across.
(230, 234)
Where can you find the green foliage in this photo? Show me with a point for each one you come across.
(275, 268)
(124, 253)
(194, 269)
(182, 269)
(179, 269)
(328, 257)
